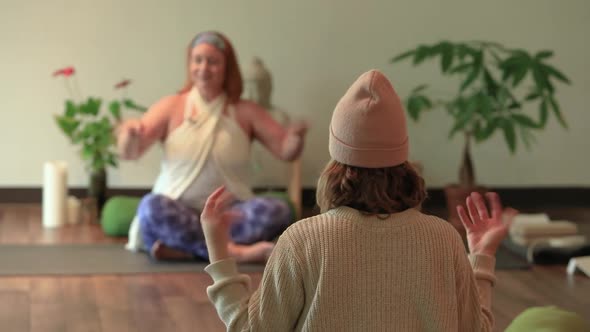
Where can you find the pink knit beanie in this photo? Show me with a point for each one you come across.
(368, 127)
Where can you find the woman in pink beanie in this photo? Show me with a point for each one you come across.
(371, 261)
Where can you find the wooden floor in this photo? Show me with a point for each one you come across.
(178, 302)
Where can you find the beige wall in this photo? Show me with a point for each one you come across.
(314, 49)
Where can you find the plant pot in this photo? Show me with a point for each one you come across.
(456, 195)
(97, 189)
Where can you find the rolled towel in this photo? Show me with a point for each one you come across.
(530, 218)
(551, 240)
(560, 227)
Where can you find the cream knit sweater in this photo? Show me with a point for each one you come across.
(344, 271)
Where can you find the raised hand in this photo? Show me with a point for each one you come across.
(293, 142)
(485, 231)
(128, 138)
(216, 220)
(298, 128)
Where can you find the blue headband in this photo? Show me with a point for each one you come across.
(209, 37)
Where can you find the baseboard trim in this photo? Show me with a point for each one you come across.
(517, 197)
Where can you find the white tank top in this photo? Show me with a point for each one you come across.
(205, 152)
(228, 164)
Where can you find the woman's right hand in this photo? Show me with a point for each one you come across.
(129, 136)
(216, 220)
(485, 231)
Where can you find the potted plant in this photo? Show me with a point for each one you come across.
(496, 89)
(89, 127)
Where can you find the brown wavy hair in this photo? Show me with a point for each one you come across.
(232, 83)
(371, 190)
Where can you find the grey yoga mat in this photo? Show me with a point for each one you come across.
(114, 259)
(90, 259)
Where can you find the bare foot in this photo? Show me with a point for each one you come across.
(258, 252)
(161, 252)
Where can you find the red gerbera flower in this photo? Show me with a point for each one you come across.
(122, 84)
(68, 71)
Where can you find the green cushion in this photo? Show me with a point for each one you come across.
(548, 319)
(282, 195)
(118, 213)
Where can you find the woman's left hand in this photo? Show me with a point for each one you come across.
(298, 128)
(485, 231)
(216, 220)
(293, 143)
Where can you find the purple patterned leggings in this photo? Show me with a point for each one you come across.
(178, 226)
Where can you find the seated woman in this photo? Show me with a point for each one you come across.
(206, 131)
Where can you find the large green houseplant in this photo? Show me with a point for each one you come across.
(496, 89)
(90, 127)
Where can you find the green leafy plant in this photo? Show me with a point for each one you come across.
(87, 125)
(494, 86)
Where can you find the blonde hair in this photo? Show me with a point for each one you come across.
(371, 190)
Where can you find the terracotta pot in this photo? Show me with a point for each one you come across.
(456, 195)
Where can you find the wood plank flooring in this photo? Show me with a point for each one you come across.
(178, 302)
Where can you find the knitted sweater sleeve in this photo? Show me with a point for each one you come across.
(475, 278)
(275, 306)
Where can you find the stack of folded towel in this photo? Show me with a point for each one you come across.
(528, 229)
(545, 241)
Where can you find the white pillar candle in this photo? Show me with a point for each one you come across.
(54, 193)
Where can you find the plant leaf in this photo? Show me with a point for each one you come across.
(487, 131)
(491, 85)
(477, 68)
(541, 80)
(115, 109)
(402, 56)
(523, 120)
(93, 105)
(88, 152)
(544, 54)
(422, 52)
(519, 75)
(425, 102)
(416, 104)
(555, 73)
(112, 160)
(526, 136)
(514, 64)
(509, 134)
(543, 114)
(448, 52)
(419, 88)
(470, 78)
(514, 105)
(413, 108)
(97, 163)
(464, 116)
(497, 58)
(463, 50)
(461, 68)
(68, 125)
(555, 108)
(70, 109)
(531, 96)
(133, 106)
(485, 107)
